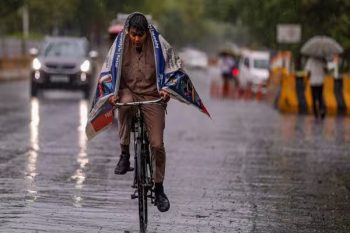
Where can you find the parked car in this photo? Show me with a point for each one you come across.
(194, 58)
(63, 63)
(254, 69)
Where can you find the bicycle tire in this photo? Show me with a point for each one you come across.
(141, 187)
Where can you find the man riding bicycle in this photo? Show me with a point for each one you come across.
(138, 83)
(141, 65)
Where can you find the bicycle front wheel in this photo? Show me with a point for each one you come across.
(141, 187)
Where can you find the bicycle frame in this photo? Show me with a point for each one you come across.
(143, 179)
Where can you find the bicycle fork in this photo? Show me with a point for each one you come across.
(148, 184)
(145, 152)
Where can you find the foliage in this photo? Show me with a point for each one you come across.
(8, 12)
(316, 17)
(48, 16)
(7, 7)
(186, 22)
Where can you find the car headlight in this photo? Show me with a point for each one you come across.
(85, 67)
(36, 64)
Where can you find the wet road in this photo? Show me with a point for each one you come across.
(249, 169)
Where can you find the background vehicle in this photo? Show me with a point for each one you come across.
(254, 69)
(63, 63)
(194, 58)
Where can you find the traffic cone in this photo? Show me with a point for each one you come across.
(248, 91)
(226, 88)
(240, 92)
(232, 91)
(214, 89)
(259, 93)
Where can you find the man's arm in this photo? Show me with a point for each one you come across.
(307, 68)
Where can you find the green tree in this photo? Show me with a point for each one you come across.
(50, 16)
(182, 22)
(8, 7)
(9, 14)
(317, 17)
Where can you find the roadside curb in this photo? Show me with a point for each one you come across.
(14, 75)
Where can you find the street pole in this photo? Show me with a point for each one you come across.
(25, 27)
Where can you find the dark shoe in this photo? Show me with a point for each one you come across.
(161, 201)
(123, 165)
(323, 114)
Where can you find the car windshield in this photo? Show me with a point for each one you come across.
(64, 49)
(261, 64)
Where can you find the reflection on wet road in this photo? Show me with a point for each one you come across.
(249, 169)
(33, 152)
(82, 157)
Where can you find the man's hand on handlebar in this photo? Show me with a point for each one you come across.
(165, 95)
(113, 100)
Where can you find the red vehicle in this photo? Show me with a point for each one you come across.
(114, 30)
(235, 72)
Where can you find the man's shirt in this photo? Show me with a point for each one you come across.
(138, 69)
(316, 68)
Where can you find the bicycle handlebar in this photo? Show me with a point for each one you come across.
(138, 103)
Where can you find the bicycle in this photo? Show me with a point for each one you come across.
(143, 180)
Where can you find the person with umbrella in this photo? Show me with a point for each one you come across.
(316, 68)
(319, 48)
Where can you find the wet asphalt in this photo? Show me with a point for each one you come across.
(248, 169)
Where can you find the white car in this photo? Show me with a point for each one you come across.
(194, 58)
(254, 69)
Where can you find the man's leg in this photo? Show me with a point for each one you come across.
(314, 93)
(321, 101)
(124, 123)
(155, 122)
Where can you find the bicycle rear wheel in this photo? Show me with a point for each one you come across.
(141, 187)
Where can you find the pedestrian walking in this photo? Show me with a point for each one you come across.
(226, 63)
(316, 69)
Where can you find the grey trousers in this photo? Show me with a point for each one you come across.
(154, 116)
